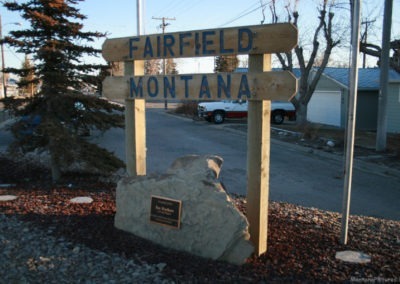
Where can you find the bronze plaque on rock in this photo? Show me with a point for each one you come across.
(166, 211)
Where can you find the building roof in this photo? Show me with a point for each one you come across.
(296, 71)
(241, 70)
(368, 79)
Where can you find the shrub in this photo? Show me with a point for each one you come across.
(188, 108)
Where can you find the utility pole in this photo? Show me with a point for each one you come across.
(365, 37)
(2, 62)
(163, 26)
(381, 134)
(139, 13)
(3, 65)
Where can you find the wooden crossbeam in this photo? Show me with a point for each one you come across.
(223, 86)
(238, 40)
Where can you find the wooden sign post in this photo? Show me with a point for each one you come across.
(258, 157)
(135, 126)
(258, 87)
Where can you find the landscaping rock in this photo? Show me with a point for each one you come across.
(353, 256)
(8, 197)
(81, 200)
(211, 226)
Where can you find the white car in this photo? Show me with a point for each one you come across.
(219, 111)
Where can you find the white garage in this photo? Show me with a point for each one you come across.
(325, 107)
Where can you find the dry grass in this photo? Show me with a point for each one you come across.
(366, 139)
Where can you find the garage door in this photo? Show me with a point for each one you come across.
(324, 107)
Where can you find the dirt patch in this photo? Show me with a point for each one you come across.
(332, 140)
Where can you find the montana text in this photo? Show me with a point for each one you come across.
(204, 86)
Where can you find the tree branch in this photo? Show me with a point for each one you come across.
(315, 40)
(272, 7)
(298, 49)
(370, 49)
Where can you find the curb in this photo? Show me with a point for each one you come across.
(358, 163)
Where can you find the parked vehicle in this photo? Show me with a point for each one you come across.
(219, 111)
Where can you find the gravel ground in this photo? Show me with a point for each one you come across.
(33, 255)
(46, 238)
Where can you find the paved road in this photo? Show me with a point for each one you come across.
(297, 176)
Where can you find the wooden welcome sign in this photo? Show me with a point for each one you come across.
(257, 86)
(221, 86)
(259, 39)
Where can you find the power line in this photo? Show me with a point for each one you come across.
(187, 8)
(163, 25)
(172, 6)
(14, 54)
(242, 12)
(245, 13)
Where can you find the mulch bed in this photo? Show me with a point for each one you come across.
(302, 242)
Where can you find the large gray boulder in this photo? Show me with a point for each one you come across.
(211, 226)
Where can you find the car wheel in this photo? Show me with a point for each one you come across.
(278, 117)
(219, 117)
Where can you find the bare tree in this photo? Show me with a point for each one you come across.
(310, 74)
(263, 6)
(376, 51)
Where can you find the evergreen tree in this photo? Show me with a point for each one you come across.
(57, 44)
(170, 67)
(157, 65)
(226, 63)
(27, 83)
(152, 67)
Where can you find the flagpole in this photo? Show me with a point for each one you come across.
(351, 119)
